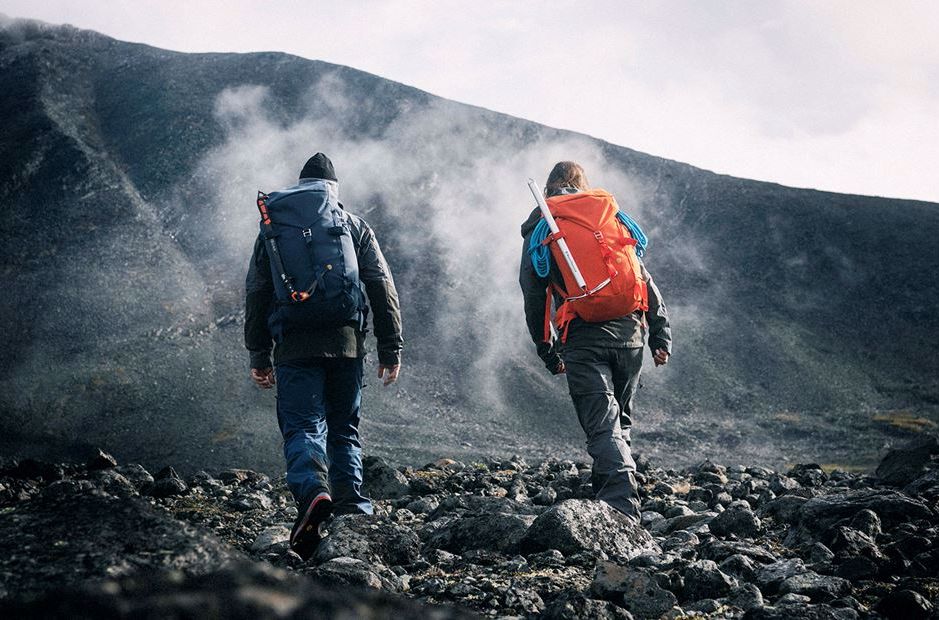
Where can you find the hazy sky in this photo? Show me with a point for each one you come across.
(842, 96)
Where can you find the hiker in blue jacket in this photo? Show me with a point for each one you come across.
(318, 365)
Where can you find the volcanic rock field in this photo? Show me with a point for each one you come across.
(490, 538)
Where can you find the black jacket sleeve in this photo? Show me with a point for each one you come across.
(660, 332)
(535, 295)
(382, 296)
(259, 294)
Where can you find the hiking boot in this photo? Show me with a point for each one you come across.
(308, 530)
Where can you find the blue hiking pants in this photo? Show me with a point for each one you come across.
(318, 403)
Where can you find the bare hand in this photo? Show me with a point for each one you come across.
(263, 377)
(392, 373)
(661, 357)
(560, 369)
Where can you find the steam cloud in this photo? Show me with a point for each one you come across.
(440, 173)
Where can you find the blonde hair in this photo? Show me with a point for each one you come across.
(566, 174)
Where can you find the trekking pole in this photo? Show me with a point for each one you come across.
(556, 234)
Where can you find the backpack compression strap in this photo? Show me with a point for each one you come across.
(274, 252)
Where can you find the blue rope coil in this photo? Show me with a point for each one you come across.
(541, 254)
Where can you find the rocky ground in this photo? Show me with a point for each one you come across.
(495, 538)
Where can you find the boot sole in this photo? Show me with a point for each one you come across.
(311, 530)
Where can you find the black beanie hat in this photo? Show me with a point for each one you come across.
(318, 167)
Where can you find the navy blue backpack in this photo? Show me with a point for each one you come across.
(313, 260)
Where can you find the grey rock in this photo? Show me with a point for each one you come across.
(423, 505)
(242, 589)
(101, 460)
(166, 483)
(137, 475)
(63, 489)
(739, 566)
(583, 525)
(785, 509)
(801, 610)
(817, 553)
(495, 532)
(523, 600)
(545, 496)
(577, 607)
(704, 606)
(904, 605)
(250, 501)
(552, 558)
(926, 485)
(819, 514)
(771, 576)
(745, 597)
(719, 550)
(96, 536)
(793, 599)
(781, 485)
(113, 483)
(808, 475)
(344, 572)
(240, 476)
(634, 589)
(901, 466)
(367, 538)
(681, 540)
(381, 480)
(703, 579)
(269, 537)
(819, 588)
(867, 522)
(737, 520)
(682, 522)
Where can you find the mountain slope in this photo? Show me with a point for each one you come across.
(804, 321)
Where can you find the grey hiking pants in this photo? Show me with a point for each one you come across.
(602, 383)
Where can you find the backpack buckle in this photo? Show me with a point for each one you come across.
(307, 232)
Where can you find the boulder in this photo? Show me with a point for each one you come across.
(902, 466)
(719, 550)
(577, 607)
(926, 485)
(770, 577)
(634, 589)
(101, 460)
(808, 475)
(382, 481)
(703, 579)
(269, 537)
(343, 572)
(137, 475)
(576, 525)
(737, 520)
(113, 483)
(100, 536)
(495, 532)
(819, 588)
(745, 597)
(242, 589)
(904, 605)
(367, 538)
(818, 515)
(166, 483)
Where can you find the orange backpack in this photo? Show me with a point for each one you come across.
(605, 253)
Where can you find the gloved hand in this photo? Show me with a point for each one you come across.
(554, 363)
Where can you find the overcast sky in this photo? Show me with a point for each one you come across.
(841, 96)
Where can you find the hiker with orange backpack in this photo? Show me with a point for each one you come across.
(583, 256)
